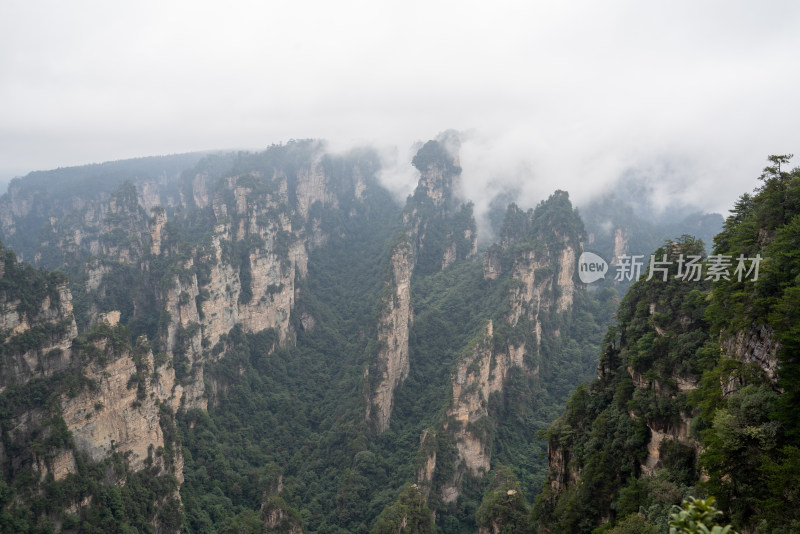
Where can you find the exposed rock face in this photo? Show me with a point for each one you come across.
(526, 299)
(200, 190)
(95, 272)
(427, 467)
(532, 296)
(439, 168)
(757, 346)
(259, 293)
(492, 262)
(433, 204)
(157, 229)
(393, 327)
(683, 383)
(275, 515)
(312, 187)
(243, 273)
(660, 433)
(272, 285)
(149, 196)
(60, 465)
(479, 374)
(620, 244)
(191, 258)
(52, 324)
(483, 371)
(260, 244)
(542, 272)
(119, 415)
(561, 475)
(119, 409)
(449, 256)
(68, 207)
(566, 275)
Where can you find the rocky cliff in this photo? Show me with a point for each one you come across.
(121, 412)
(223, 247)
(664, 371)
(223, 319)
(437, 232)
(36, 322)
(393, 327)
(534, 271)
(71, 403)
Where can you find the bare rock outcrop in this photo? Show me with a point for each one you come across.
(392, 361)
(37, 341)
(122, 412)
(758, 345)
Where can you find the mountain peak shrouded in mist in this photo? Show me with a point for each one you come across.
(698, 385)
(390, 247)
(273, 339)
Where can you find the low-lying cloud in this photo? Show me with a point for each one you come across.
(688, 97)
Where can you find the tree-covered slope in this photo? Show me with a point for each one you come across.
(72, 410)
(697, 386)
(270, 335)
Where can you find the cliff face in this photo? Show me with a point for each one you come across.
(69, 402)
(49, 218)
(620, 245)
(122, 411)
(440, 228)
(393, 328)
(184, 260)
(437, 233)
(480, 373)
(644, 378)
(757, 345)
(536, 265)
(170, 274)
(36, 329)
(483, 370)
(36, 341)
(697, 383)
(259, 221)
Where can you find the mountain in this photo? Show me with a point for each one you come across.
(616, 227)
(248, 342)
(696, 388)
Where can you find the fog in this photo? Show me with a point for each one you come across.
(686, 97)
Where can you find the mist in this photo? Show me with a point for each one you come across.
(686, 98)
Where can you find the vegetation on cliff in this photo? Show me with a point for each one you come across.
(698, 386)
(251, 291)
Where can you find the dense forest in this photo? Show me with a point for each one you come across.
(697, 387)
(269, 342)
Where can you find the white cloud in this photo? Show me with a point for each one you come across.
(564, 95)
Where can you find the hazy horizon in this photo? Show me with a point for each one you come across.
(690, 98)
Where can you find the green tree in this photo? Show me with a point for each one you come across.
(504, 509)
(409, 514)
(697, 516)
(634, 524)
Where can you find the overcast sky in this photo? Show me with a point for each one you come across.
(692, 95)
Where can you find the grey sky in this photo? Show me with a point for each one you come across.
(563, 95)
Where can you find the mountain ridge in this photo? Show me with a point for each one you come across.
(305, 346)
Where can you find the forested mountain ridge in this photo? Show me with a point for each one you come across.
(697, 387)
(180, 285)
(34, 208)
(267, 341)
(437, 231)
